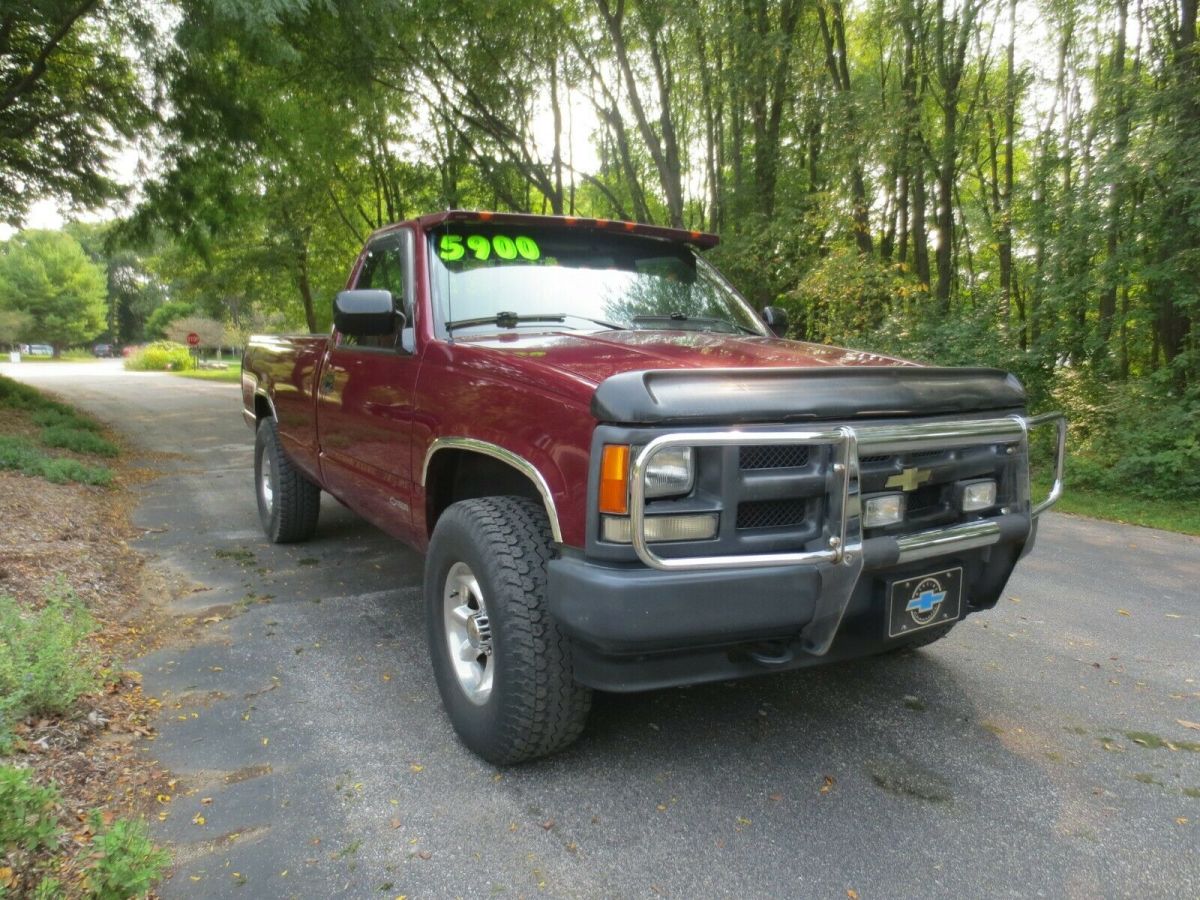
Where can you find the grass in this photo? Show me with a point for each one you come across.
(233, 374)
(1181, 516)
(62, 427)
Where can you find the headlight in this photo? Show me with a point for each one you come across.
(887, 509)
(978, 495)
(670, 472)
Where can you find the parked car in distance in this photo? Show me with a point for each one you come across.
(39, 350)
(104, 351)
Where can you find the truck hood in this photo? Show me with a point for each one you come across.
(641, 377)
(595, 357)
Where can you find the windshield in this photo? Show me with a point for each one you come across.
(487, 278)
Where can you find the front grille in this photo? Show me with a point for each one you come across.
(771, 513)
(779, 456)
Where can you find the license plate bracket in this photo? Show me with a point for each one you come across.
(924, 601)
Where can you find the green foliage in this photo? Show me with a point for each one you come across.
(121, 863)
(17, 395)
(78, 439)
(846, 298)
(62, 426)
(13, 324)
(46, 276)
(1132, 439)
(160, 318)
(124, 861)
(69, 87)
(59, 415)
(46, 663)
(28, 814)
(161, 356)
(17, 453)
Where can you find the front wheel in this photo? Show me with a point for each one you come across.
(288, 503)
(502, 666)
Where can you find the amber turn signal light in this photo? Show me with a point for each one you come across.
(614, 479)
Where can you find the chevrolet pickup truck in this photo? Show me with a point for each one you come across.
(621, 478)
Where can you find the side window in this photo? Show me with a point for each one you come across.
(384, 270)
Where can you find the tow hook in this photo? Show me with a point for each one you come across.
(772, 655)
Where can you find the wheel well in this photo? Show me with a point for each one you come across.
(455, 475)
(262, 407)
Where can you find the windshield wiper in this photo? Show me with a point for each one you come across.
(506, 319)
(701, 320)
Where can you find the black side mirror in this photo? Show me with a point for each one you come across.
(364, 313)
(776, 318)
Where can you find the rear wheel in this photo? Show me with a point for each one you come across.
(502, 666)
(288, 503)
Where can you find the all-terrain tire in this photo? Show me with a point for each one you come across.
(532, 706)
(288, 503)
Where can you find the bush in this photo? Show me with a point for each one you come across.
(161, 356)
(79, 440)
(28, 819)
(125, 863)
(45, 661)
(1118, 445)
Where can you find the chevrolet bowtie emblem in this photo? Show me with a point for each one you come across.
(909, 479)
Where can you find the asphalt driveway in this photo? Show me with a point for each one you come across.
(1038, 751)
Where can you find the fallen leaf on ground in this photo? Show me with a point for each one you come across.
(394, 823)
(742, 820)
(852, 894)
(775, 798)
(548, 824)
(827, 784)
(197, 819)
(416, 767)
(1123, 612)
(1195, 726)
(424, 854)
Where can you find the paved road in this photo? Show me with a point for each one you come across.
(307, 725)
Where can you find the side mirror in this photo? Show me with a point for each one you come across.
(364, 313)
(776, 319)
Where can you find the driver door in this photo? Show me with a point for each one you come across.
(365, 399)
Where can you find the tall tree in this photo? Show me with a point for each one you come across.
(70, 92)
(46, 276)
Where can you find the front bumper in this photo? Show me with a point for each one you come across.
(634, 628)
(688, 619)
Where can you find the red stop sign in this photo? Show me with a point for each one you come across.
(193, 339)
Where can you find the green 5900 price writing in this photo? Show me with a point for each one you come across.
(455, 246)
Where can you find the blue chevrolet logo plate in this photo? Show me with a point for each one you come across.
(923, 601)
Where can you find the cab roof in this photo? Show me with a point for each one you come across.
(700, 239)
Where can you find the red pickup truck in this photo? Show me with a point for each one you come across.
(621, 478)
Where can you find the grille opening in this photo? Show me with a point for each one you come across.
(874, 459)
(925, 499)
(771, 513)
(780, 456)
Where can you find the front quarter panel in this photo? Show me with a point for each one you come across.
(462, 394)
